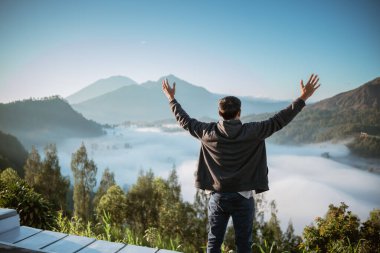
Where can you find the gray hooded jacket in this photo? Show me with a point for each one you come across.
(233, 155)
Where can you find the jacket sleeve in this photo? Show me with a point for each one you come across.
(266, 128)
(195, 127)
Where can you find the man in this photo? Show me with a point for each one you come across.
(233, 162)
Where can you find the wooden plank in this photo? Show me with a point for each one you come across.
(137, 249)
(9, 223)
(69, 244)
(9, 219)
(18, 234)
(5, 213)
(11, 248)
(40, 240)
(167, 251)
(101, 246)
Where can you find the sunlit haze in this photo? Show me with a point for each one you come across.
(251, 48)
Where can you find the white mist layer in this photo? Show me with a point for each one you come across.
(301, 182)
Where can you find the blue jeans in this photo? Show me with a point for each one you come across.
(220, 207)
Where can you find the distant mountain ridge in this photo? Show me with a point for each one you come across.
(100, 87)
(146, 102)
(354, 114)
(45, 121)
(367, 96)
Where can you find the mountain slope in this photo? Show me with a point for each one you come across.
(100, 87)
(146, 102)
(12, 153)
(367, 96)
(45, 121)
(344, 116)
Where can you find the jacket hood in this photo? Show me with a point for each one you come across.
(229, 128)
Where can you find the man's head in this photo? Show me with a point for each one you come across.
(229, 107)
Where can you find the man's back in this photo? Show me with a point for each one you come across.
(232, 161)
(233, 155)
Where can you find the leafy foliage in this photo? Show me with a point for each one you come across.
(84, 171)
(33, 209)
(156, 203)
(46, 178)
(340, 231)
(108, 180)
(114, 204)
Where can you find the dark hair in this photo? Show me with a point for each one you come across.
(229, 107)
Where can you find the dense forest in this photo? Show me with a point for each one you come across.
(152, 213)
(40, 121)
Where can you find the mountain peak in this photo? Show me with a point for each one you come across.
(171, 78)
(100, 87)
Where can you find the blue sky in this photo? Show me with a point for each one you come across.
(250, 48)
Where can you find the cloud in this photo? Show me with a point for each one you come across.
(301, 182)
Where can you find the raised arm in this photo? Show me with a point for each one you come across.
(266, 128)
(195, 127)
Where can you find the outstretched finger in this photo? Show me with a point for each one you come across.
(316, 82)
(311, 77)
(301, 83)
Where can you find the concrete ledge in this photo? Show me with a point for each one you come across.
(16, 239)
(9, 219)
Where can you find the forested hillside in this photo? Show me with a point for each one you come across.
(350, 115)
(12, 153)
(45, 121)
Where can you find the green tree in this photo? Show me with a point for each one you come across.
(108, 180)
(34, 210)
(156, 210)
(84, 171)
(46, 178)
(33, 167)
(114, 204)
(55, 186)
(143, 203)
(339, 227)
(370, 232)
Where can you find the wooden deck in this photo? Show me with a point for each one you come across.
(15, 238)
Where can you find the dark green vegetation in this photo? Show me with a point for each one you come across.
(366, 146)
(152, 212)
(33, 208)
(42, 175)
(341, 231)
(344, 116)
(12, 153)
(44, 121)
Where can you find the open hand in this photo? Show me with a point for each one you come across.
(169, 91)
(311, 86)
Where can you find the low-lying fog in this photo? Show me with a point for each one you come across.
(301, 181)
